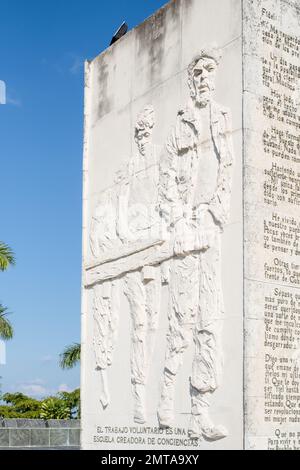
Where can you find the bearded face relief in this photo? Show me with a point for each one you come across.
(202, 76)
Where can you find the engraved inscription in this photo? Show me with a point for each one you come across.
(279, 258)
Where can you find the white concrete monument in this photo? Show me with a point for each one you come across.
(191, 231)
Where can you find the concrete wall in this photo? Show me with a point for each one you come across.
(38, 433)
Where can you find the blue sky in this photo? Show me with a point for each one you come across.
(43, 46)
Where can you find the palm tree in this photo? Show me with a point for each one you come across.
(7, 257)
(6, 329)
(70, 357)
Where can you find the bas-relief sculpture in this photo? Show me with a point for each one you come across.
(138, 202)
(197, 172)
(161, 223)
(131, 221)
(106, 296)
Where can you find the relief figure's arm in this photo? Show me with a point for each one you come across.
(122, 206)
(94, 247)
(219, 206)
(168, 190)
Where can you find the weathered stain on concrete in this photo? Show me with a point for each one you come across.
(105, 100)
(151, 37)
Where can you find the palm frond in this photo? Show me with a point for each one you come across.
(70, 357)
(6, 329)
(7, 257)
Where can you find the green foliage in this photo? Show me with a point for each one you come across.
(6, 329)
(63, 406)
(70, 357)
(20, 406)
(73, 401)
(7, 257)
(55, 408)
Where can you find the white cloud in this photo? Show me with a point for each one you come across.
(34, 387)
(64, 388)
(76, 66)
(46, 359)
(37, 382)
(33, 390)
(68, 63)
(13, 101)
(37, 388)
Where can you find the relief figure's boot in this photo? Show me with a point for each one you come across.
(139, 396)
(166, 406)
(201, 425)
